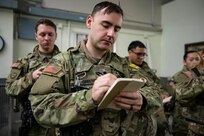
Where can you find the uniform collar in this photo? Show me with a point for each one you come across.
(37, 53)
(133, 66)
(91, 58)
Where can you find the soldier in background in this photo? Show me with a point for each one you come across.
(201, 64)
(191, 59)
(190, 96)
(25, 71)
(70, 88)
(136, 56)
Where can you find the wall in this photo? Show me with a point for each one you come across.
(182, 22)
(144, 13)
(6, 31)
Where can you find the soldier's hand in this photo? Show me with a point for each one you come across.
(129, 100)
(37, 72)
(101, 85)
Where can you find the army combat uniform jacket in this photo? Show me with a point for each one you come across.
(19, 83)
(190, 96)
(180, 125)
(181, 76)
(159, 121)
(61, 97)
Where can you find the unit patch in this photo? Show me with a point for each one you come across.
(52, 69)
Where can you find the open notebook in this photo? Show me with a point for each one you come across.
(126, 84)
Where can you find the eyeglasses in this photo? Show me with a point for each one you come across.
(140, 54)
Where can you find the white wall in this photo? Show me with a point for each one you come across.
(144, 11)
(6, 31)
(182, 22)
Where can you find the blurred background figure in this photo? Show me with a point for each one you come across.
(201, 64)
(191, 60)
(136, 55)
(25, 71)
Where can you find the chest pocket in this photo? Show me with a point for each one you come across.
(87, 73)
(35, 64)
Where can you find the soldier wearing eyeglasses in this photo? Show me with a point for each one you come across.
(136, 58)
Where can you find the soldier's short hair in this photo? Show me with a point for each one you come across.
(110, 7)
(45, 22)
(135, 44)
(188, 52)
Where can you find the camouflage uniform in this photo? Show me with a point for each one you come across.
(180, 76)
(159, 117)
(65, 100)
(19, 84)
(180, 125)
(190, 95)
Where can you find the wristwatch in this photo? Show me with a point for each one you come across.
(1, 43)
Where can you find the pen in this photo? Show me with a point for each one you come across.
(100, 73)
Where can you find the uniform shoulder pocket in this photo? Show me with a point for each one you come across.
(44, 85)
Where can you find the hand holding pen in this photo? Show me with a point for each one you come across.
(101, 85)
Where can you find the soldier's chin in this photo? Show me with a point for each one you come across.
(107, 46)
(47, 49)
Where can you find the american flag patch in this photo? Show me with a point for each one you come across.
(52, 69)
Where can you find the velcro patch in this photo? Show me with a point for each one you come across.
(52, 69)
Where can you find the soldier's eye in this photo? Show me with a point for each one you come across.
(42, 34)
(105, 25)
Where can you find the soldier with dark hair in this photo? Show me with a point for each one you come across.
(189, 97)
(70, 88)
(136, 56)
(191, 59)
(25, 71)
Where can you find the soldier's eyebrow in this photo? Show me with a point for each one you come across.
(105, 22)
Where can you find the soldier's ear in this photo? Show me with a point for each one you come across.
(89, 20)
(36, 36)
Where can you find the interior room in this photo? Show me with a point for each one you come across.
(164, 26)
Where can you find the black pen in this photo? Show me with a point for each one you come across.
(100, 73)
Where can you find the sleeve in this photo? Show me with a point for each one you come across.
(152, 99)
(53, 105)
(187, 91)
(19, 81)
